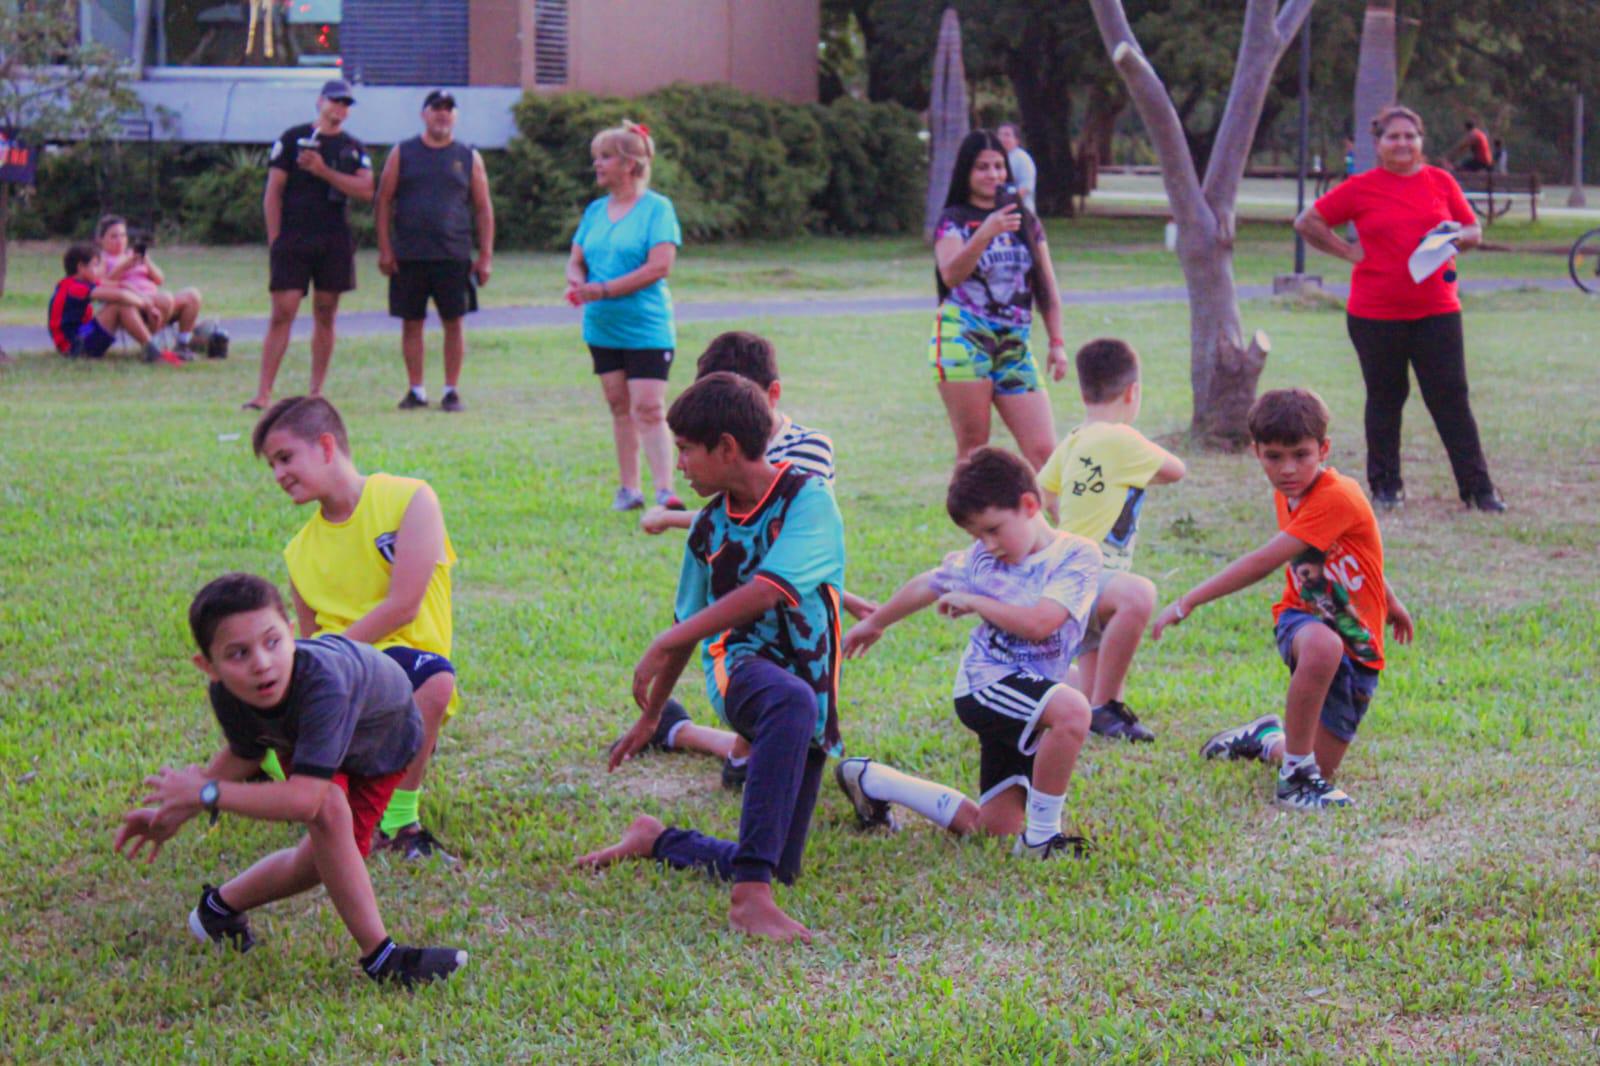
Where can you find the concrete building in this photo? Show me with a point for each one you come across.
(243, 70)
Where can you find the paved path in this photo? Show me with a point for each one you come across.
(247, 332)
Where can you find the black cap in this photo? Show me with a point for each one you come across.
(338, 89)
(440, 98)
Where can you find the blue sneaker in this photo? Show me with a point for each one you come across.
(1307, 792)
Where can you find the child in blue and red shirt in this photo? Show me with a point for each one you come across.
(77, 328)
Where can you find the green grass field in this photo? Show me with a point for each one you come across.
(1448, 917)
(1090, 253)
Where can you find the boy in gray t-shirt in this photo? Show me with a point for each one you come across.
(342, 721)
(1031, 587)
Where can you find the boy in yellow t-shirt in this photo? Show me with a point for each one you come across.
(1094, 485)
(374, 565)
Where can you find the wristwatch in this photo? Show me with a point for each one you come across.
(209, 794)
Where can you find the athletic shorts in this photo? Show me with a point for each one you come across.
(1005, 715)
(92, 340)
(326, 260)
(1353, 685)
(649, 363)
(448, 282)
(968, 347)
(368, 798)
(419, 665)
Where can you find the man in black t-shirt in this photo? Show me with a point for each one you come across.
(314, 170)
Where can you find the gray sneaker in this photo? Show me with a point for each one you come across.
(627, 500)
(1242, 741)
(1307, 792)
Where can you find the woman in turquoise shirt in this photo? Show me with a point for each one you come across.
(621, 255)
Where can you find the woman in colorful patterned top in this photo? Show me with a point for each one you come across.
(992, 267)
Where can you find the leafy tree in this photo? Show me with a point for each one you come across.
(53, 87)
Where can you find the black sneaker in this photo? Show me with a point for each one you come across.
(734, 774)
(1113, 719)
(870, 813)
(1060, 844)
(411, 402)
(1387, 500)
(451, 403)
(1489, 501)
(414, 842)
(408, 966)
(672, 713)
(1242, 741)
(210, 924)
(1306, 791)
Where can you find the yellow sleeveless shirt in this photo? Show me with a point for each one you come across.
(342, 569)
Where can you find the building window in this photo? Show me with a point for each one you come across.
(222, 33)
(550, 42)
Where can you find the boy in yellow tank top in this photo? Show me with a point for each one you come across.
(374, 565)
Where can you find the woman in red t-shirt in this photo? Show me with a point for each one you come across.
(1396, 323)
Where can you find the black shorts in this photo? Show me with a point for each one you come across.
(649, 363)
(326, 260)
(447, 281)
(419, 665)
(1005, 715)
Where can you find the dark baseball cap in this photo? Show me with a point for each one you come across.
(338, 89)
(440, 98)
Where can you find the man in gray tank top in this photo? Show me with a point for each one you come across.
(434, 191)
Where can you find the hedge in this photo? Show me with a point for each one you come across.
(734, 164)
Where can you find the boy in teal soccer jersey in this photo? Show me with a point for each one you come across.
(760, 587)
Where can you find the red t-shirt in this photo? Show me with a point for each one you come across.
(1480, 147)
(1392, 214)
(1345, 586)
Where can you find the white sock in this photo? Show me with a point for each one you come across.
(184, 338)
(449, 390)
(1044, 816)
(738, 760)
(935, 802)
(1291, 763)
(420, 393)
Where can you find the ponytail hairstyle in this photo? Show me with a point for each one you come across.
(960, 195)
(630, 141)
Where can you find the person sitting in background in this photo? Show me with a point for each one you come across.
(77, 328)
(1476, 144)
(131, 268)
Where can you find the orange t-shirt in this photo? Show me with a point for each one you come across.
(1339, 580)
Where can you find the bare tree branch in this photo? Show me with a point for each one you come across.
(1259, 50)
(1289, 19)
(1155, 108)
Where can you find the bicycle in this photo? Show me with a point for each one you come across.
(1583, 262)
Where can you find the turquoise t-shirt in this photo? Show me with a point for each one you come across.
(641, 319)
(793, 540)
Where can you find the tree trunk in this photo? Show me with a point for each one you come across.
(1105, 106)
(5, 232)
(1375, 76)
(948, 119)
(1224, 367)
(1040, 106)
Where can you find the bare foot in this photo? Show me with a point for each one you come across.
(754, 912)
(638, 840)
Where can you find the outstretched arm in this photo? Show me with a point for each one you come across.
(913, 596)
(1034, 622)
(1239, 574)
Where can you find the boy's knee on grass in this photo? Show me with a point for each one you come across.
(1068, 712)
(1131, 594)
(1317, 649)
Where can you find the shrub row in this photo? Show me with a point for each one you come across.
(735, 165)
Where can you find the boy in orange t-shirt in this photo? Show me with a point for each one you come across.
(1330, 620)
